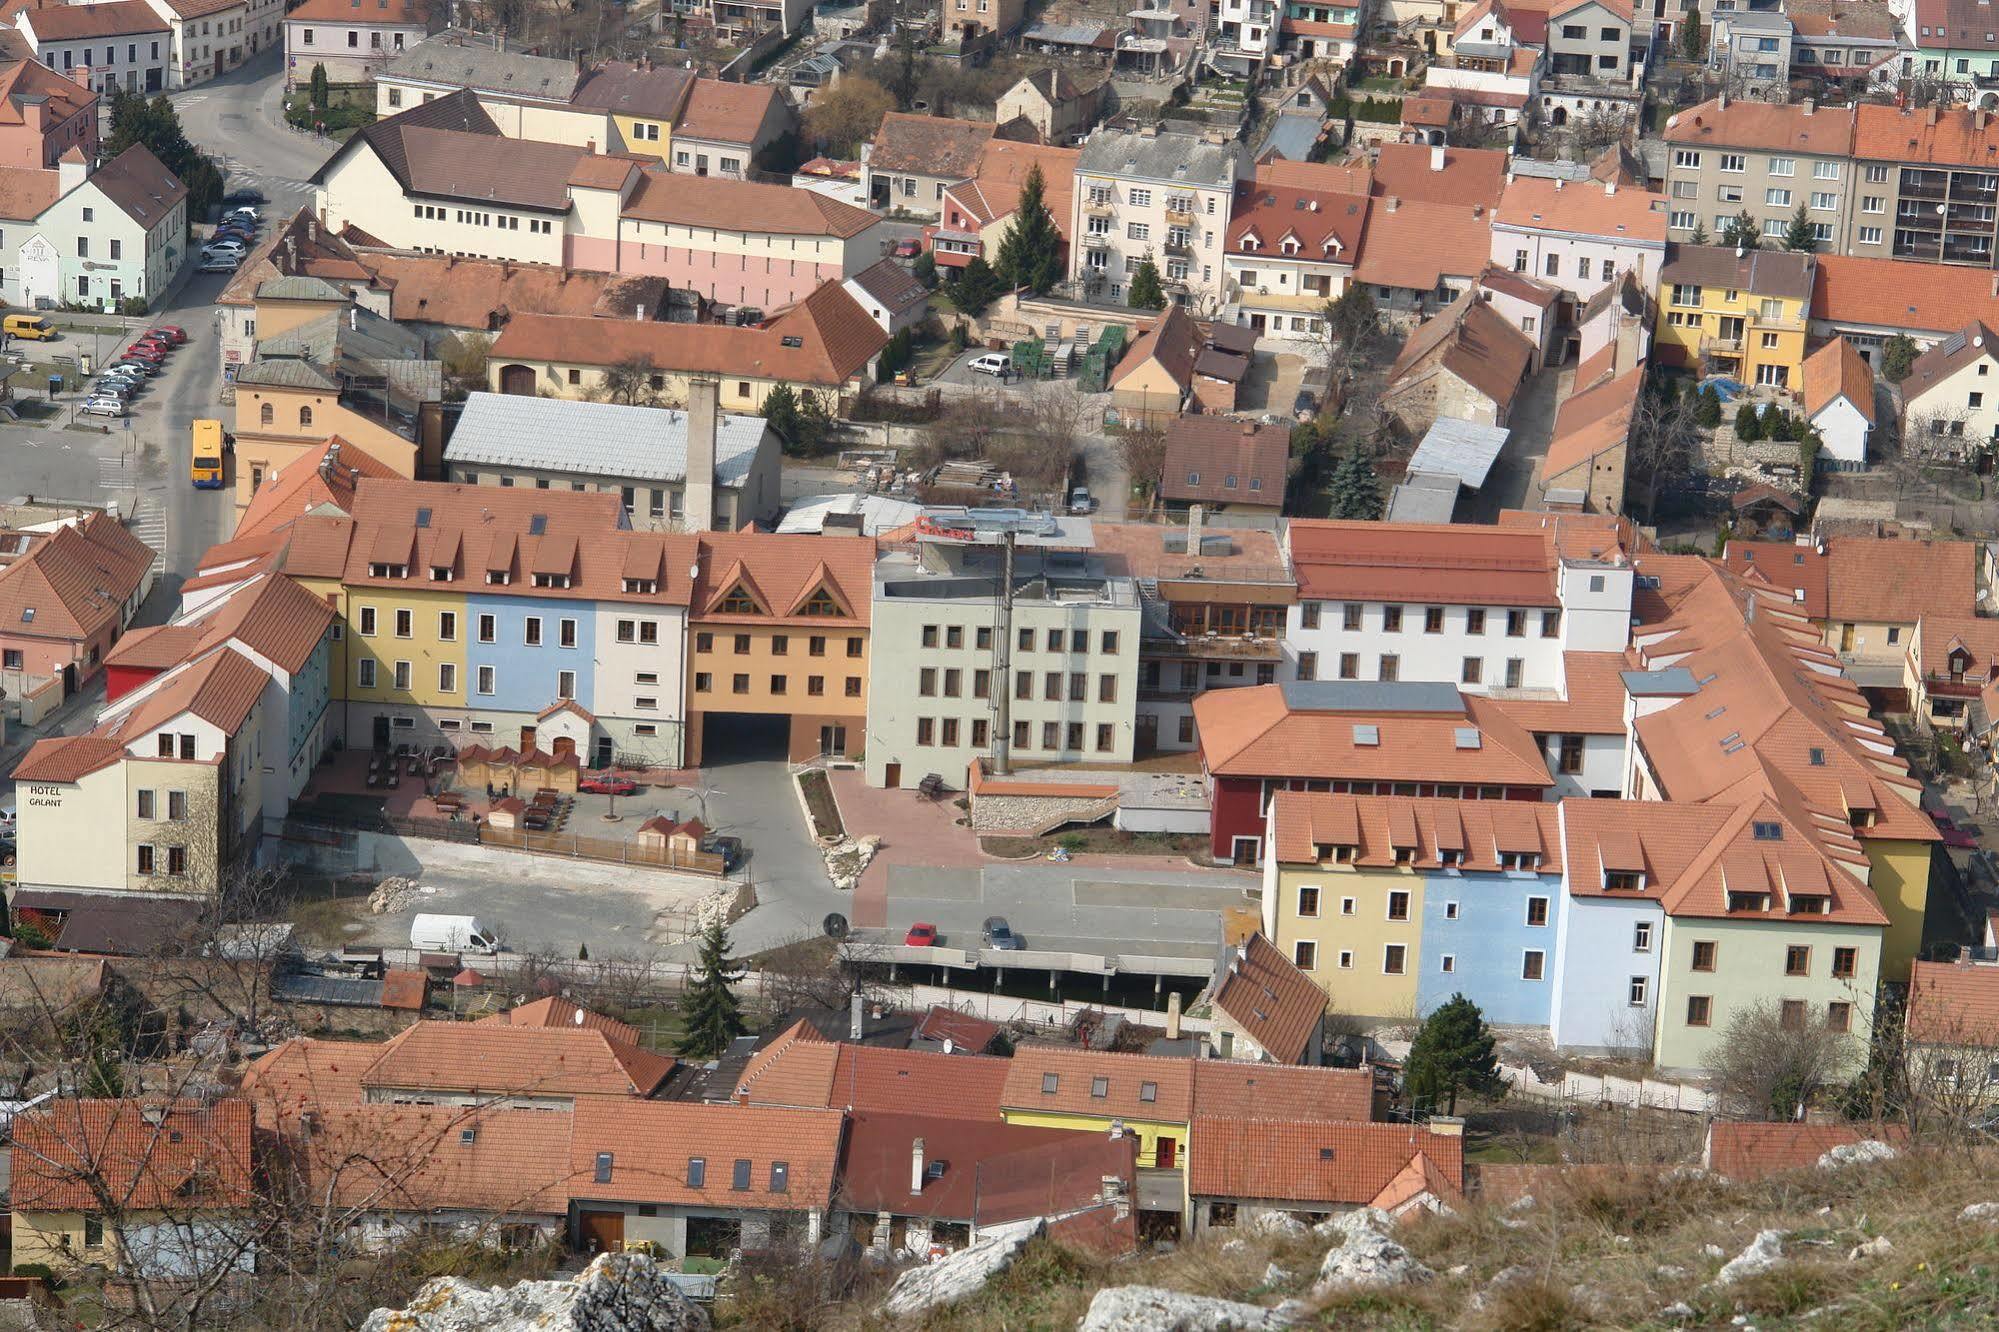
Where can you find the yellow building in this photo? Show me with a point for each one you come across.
(163, 1160)
(1742, 315)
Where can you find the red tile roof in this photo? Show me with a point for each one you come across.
(1885, 580)
(1414, 244)
(721, 112)
(1788, 567)
(741, 205)
(73, 582)
(795, 1069)
(311, 482)
(967, 1034)
(220, 688)
(926, 145)
(1751, 1151)
(66, 758)
(75, 23)
(1936, 137)
(270, 615)
(1837, 370)
(1275, 1004)
(420, 1158)
(1222, 460)
(1238, 1089)
(1472, 341)
(1256, 732)
(1826, 131)
(1045, 1170)
(651, 1145)
(1593, 422)
(1408, 171)
(575, 1062)
(919, 1082)
(782, 573)
(1343, 1164)
(1454, 564)
(1925, 299)
(1425, 827)
(1591, 701)
(1583, 209)
(555, 1011)
(305, 1072)
(1050, 1079)
(1953, 1003)
(146, 1155)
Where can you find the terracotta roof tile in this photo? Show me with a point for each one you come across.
(1341, 1164)
(555, 1011)
(1976, 636)
(146, 1155)
(305, 1072)
(720, 112)
(75, 23)
(1234, 1089)
(919, 1082)
(717, 201)
(1222, 460)
(1589, 210)
(1953, 1003)
(1930, 299)
(928, 145)
(1593, 422)
(73, 582)
(1884, 580)
(1826, 131)
(27, 192)
(1318, 177)
(1469, 176)
(1327, 225)
(1945, 137)
(1751, 1151)
(308, 483)
(1591, 701)
(1786, 566)
(998, 1171)
(220, 688)
(1053, 1079)
(528, 1061)
(650, 1145)
(406, 13)
(1414, 243)
(66, 758)
(1456, 564)
(1837, 370)
(795, 1069)
(421, 1158)
(1471, 340)
(783, 572)
(1173, 340)
(1307, 821)
(1275, 1004)
(271, 616)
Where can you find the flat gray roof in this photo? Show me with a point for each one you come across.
(595, 438)
(1371, 696)
(1464, 449)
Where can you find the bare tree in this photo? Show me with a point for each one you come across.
(1143, 452)
(1772, 1063)
(1664, 445)
(632, 382)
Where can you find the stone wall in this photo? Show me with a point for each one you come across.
(1022, 813)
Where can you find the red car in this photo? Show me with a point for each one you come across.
(1952, 834)
(921, 935)
(169, 333)
(617, 786)
(908, 249)
(142, 347)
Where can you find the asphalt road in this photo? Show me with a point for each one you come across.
(238, 120)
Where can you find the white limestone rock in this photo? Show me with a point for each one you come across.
(1283, 1224)
(1985, 1211)
(1151, 1309)
(1367, 1259)
(1764, 1252)
(1878, 1247)
(957, 1276)
(1857, 1153)
(1348, 1223)
(618, 1292)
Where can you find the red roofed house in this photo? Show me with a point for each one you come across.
(162, 1163)
(1839, 402)
(1951, 1034)
(43, 115)
(1747, 1151)
(66, 595)
(1289, 249)
(1465, 362)
(1365, 738)
(1225, 464)
(1265, 1008)
(1244, 1168)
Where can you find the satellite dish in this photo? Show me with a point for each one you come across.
(693, 571)
(835, 926)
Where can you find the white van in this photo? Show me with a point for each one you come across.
(451, 934)
(992, 363)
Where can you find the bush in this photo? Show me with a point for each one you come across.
(1748, 423)
(48, 1274)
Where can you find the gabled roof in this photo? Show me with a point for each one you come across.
(1325, 1164)
(795, 1069)
(27, 192)
(1455, 564)
(146, 1155)
(1052, 1079)
(926, 145)
(621, 88)
(271, 616)
(1953, 1003)
(725, 112)
(1973, 639)
(1837, 371)
(1967, 346)
(1923, 299)
(462, 59)
(74, 581)
(311, 483)
(994, 192)
(580, 1062)
(597, 439)
(66, 758)
(1795, 127)
(1222, 460)
(880, 1080)
(1592, 422)
(1172, 340)
(1382, 830)
(454, 113)
(646, 1147)
(1275, 1004)
(1626, 215)
(78, 23)
(555, 1011)
(1234, 1088)
(1415, 243)
(894, 286)
(742, 205)
(1883, 580)
(1802, 572)
(401, 13)
(220, 688)
(424, 1158)
(1780, 273)
(1325, 225)
(983, 1170)
(1474, 342)
(1743, 1152)
(1353, 731)
(785, 572)
(1932, 136)
(1467, 176)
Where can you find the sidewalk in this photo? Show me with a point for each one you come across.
(84, 703)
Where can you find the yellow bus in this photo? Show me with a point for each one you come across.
(206, 465)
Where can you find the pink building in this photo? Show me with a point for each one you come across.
(741, 243)
(43, 115)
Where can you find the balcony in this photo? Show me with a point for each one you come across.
(1181, 216)
(1184, 249)
(1225, 647)
(1257, 298)
(1935, 190)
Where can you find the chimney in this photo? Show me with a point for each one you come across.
(1978, 120)
(70, 174)
(1436, 157)
(638, 314)
(916, 1165)
(1808, 106)
(703, 415)
(1393, 203)
(353, 318)
(1173, 1016)
(853, 1008)
(1450, 1126)
(1609, 188)
(1194, 515)
(1930, 116)
(1721, 103)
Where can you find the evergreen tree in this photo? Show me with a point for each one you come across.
(155, 123)
(1740, 232)
(1700, 236)
(1748, 423)
(1146, 293)
(710, 1015)
(1897, 355)
(1030, 252)
(1709, 412)
(1799, 237)
(1690, 34)
(976, 286)
(1779, 425)
(320, 94)
(1354, 489)
(780, 411)
(1452, 1053)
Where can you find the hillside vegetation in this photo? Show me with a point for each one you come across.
(1884, 1245)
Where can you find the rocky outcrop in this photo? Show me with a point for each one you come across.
(1150, 1309)
(1985, 1211)
(959, 1276)
(1276, 1223)
(619, 1292)
(1366, 1259)
(1764, 1252)
(1857, 1153)
(847, 860)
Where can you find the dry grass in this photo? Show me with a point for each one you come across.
(1606, 1248)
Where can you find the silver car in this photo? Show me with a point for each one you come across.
(103, 404)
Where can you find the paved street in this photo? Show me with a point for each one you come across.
(238, 119)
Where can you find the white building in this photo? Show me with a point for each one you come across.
(1839, 402)
(115, 234)
(121, 44)
(209, 37)
(1579, 235)
(1950, 397)
(353, 39)
(1150, 195)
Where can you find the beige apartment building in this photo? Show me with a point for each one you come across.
(1147, 194)
(1876, 181)
(1060, 672)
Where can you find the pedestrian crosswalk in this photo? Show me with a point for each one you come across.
(150, 526)
(116, 474)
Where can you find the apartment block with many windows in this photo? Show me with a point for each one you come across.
(1147, 194)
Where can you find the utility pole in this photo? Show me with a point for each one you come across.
(1003, 648)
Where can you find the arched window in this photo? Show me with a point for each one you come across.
(268, 414)
(305, 416)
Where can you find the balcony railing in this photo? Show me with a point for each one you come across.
(1100, 208)
(1183, 248)
(1185, 216)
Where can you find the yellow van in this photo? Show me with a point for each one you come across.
(33, 327)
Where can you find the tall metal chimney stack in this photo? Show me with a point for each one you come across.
(703, 416)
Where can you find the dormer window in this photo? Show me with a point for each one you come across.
(1860, 818)
(1749, 901)
(1405, 855)
(388, 571)
(1339, 853)
(440, 573)
(642, 587)
(1519, 860)
(1813, 904)
(551, 580)
(1450, 857)
(1623, 881)
(498, 578)
(1768, 831)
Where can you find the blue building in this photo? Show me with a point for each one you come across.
(1492, 938)
(524, 653)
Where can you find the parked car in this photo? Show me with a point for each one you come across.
(103, 404)
(173, 333)
(245, 210)
(219, 263)
(7, 818)
(131, 364)
(121, 387)
(907, 248)
(151, 356)
(997, 934)
(245, 195)
(153, 344)
(1952, 834)
(1082, 501)
(992, 363)
(227, 245)
(125, 372)
(921, 935)
(607, 784)
(730, 849)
